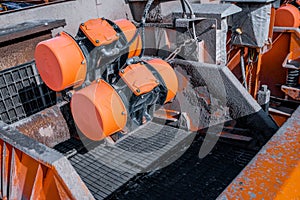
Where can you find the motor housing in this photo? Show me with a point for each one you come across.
(101, 109)
(113, 89)
(64, 62)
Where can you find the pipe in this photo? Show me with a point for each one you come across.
(192, 17)
(189, 7)
(146, 11)
(243, 68)
(183, 8)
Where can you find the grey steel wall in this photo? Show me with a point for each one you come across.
(74, 12)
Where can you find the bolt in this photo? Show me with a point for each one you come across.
(119, 45)
(97, 41)
(157, 81)
(239, 31)
(138, 90)
(123, 113)
(83, 62)
(122, 71)
(213, 26)
(264, 88)
(82, 24)
(98, 80)
(69, 94)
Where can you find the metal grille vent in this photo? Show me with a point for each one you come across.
(23, 93)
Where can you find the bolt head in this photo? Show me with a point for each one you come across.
(97, 41)
(239, 31)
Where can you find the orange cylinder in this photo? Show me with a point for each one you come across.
(98, 111)
(129, 30)
(287, 16)
(60, 62)
(168, 75)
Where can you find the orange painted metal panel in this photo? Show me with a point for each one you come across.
(37, 188)
(139, 79)
(272, 73)
(31, 173)
(17, 177)
(30, 170)
(99, 32)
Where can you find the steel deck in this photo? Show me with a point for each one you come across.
(190, 177)
(105, 168)
(120, 171)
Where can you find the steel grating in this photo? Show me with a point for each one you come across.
(105, 168)
(120, 171)
(190, 177)
(22, 93)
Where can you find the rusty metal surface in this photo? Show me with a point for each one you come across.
(292, 92)
(13, 54)
(31, 170)
(17, 43)
(274, 172)
(48, 127)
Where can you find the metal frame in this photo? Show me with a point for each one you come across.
(31, 170)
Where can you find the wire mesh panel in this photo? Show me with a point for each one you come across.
(23, 93)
